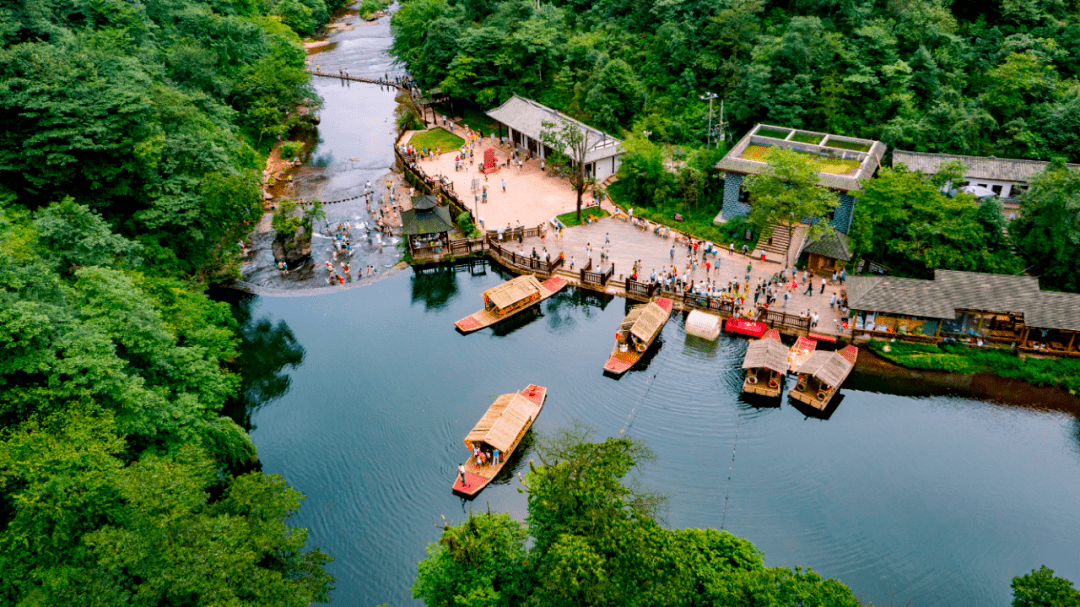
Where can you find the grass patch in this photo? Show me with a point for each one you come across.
(846, 145)
(773, 133)
(697, 222)
(435, 138)
(570, 219)
(958, 358)
(472, 116)
(837, 166)
(368, 8)
(807, 138)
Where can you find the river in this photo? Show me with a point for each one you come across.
(911, 490)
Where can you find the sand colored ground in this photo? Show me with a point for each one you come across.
(532, 196)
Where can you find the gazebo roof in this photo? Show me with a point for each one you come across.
(833, 244)
(435, 221)
(424, 202)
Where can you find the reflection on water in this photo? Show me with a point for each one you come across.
(268, 350)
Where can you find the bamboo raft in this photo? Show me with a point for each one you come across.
(820, 376)
(510, 298)
(501, 427)
(800, 353)
(765, 364)
(636, 333)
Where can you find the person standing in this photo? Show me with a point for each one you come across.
(504, 186)
(787, 296)
(822, 284)
(461, 474)
(843, 275)
(498, 454)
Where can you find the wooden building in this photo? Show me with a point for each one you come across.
(969, 306)
(427, 226)
(827, 254)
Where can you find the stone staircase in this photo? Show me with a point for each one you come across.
(775, 240)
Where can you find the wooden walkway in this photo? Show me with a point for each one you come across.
(378, 81)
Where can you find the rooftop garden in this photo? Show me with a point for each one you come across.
(848, 145)
(810, 138)
(773, 133)
(836, 166)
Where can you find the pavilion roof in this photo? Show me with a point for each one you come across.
(1017, 170)
(435, 221)
(832, 244)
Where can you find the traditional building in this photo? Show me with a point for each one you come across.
(1005, 177)
(845, 162)
(829, 253)
(427, 226)
(970, 306)
(524, 122)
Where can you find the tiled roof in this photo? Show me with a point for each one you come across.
(951, 291)
(832, 244)
(978, 167)
(435, 221)
(528, 116)
(869, 160)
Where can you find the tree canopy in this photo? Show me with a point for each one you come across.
(596, 541)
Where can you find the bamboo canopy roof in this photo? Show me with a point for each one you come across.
(829, 367)
(503, 421)
(766, 353)
(513, 291)
(649, 321)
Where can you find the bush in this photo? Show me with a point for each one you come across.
(464, 221)
(291, 149)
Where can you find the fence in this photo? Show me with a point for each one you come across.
(512, 234)
(641, 289)
(596, 278)
(777, 319)
(465, 246)
(523, 262)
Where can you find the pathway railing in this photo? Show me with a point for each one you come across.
(523, 262)
(641, 289)
(596, 278)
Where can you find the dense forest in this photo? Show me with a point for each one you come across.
(991, 78)
(981, 78)
(132, 136)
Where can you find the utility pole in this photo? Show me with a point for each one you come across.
(722, 126)
(710, 97)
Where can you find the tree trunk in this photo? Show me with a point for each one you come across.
(790, 235)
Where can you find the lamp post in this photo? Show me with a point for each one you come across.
(710, 97)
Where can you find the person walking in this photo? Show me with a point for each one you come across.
(504, 186)
(809, 289)
(843, 275)
(787, 296)
(673, 253)
(822, 284)
(607, 238)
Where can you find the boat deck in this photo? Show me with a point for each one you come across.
(486, 317)
(801, 352)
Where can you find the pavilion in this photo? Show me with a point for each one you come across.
(845, 163)
(524, 121)
(427, 226)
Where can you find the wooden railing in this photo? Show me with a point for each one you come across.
(783, 320)
(523, 262)
(641, 289)
(465, 246)
(596, 278)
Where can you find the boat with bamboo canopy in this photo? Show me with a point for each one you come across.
(766, 365)
(509, 298)
(800, 353)
(820, 376)
(502, 427)
(636, 333)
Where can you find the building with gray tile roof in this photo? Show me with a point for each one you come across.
(951, 293)
(1000, 175)
(525, 118)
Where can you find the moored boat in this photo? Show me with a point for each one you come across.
(800, 353)
(820, 376)
(501, 428)
(636, 333)
(765, 364)
(742, 326)
(510, 298)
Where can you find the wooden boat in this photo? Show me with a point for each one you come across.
(502, 427)
(820, 376)
(800, 353)
(742, 326)
(509, 298)
(765, 364)
(636, 333)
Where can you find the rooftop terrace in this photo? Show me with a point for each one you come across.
(843, 162)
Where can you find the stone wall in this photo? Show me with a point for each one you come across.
(732, 207)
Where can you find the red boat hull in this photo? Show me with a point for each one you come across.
(751, 328)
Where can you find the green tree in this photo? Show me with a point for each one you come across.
(1041, 588)
(569, 144)
(787, 194)
(1047, 233)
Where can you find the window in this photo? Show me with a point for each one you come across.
(996, 189)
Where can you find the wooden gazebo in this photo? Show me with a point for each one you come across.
(427, 227)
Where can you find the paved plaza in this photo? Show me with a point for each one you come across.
(533, 197)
